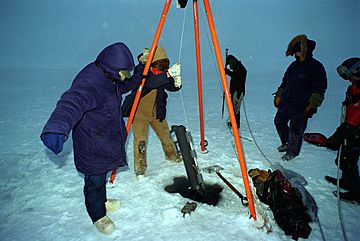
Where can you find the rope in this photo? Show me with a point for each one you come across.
(247, 121)
(321, 230)
(179, 59)
(211, 47)
(341, 219)
(251, 133)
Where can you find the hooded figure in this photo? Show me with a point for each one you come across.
(91, 109)
(299, 95)
(151, 110)
(237, 73)
(347, 134)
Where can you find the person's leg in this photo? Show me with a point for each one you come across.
(281, 123)
(349, 167)
(161, 129)
(95, 196)
(296, 133)
(140, 131)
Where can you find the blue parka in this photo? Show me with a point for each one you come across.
(91, 109)
(301, 80)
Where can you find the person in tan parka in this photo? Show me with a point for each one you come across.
(151, 110)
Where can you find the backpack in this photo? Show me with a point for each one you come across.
(285, 202)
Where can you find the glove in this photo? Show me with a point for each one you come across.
(310, 110)
(175, 70)
(144, 56)
(177, 81)
(334, 143)
(53, 141)
(341, 133)
(277, 101)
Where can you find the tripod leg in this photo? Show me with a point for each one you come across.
(230, 108)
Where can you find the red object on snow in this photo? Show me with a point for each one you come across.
(317, 139)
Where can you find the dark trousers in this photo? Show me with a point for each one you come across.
(349, 165)
(95, 196)
(291, 128)
(236, 107)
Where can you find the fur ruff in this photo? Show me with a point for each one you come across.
(303, 43)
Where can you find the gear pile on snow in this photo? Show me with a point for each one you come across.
(292, 205)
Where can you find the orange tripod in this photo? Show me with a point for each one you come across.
(220, 63)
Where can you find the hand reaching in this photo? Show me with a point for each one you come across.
(53, 141)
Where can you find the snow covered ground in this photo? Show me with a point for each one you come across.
(48, 42)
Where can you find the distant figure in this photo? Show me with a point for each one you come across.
(237, 72)
(347, 134)
(91, 109)
(301, 92)
(152, 109)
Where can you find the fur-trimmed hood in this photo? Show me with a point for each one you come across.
(303, 44)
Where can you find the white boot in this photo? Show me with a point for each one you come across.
(105, 225)
(112, 205)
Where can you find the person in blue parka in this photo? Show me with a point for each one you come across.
(301, 92)
(91, 109)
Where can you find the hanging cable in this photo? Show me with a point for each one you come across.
(341, 219)
(211, 47)
(247, 121)
(321, 230)
(179, 59)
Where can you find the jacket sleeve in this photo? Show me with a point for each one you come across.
(171, 86)
(320, 80)
(319, 87)
(80, 98)
(129, 84)
(228, 72)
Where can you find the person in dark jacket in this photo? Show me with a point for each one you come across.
(91, 109)
(151, 110)
(301, 92)
(346, 138)
(237, 73)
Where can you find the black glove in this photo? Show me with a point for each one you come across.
(335, 141)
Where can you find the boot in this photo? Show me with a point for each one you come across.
(288, 157)
(112, 205)
(282, 148)
(343, 184)
(177, 159)
(351, 196)
(105, 225)
(141, 165)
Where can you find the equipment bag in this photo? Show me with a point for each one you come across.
(284, 201)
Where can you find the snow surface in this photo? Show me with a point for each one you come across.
(45, 43)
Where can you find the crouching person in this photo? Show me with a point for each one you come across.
(347, 135)
(91, 109)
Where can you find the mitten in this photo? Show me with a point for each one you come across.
(175, 70)
(144, 56)
(53, 141)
